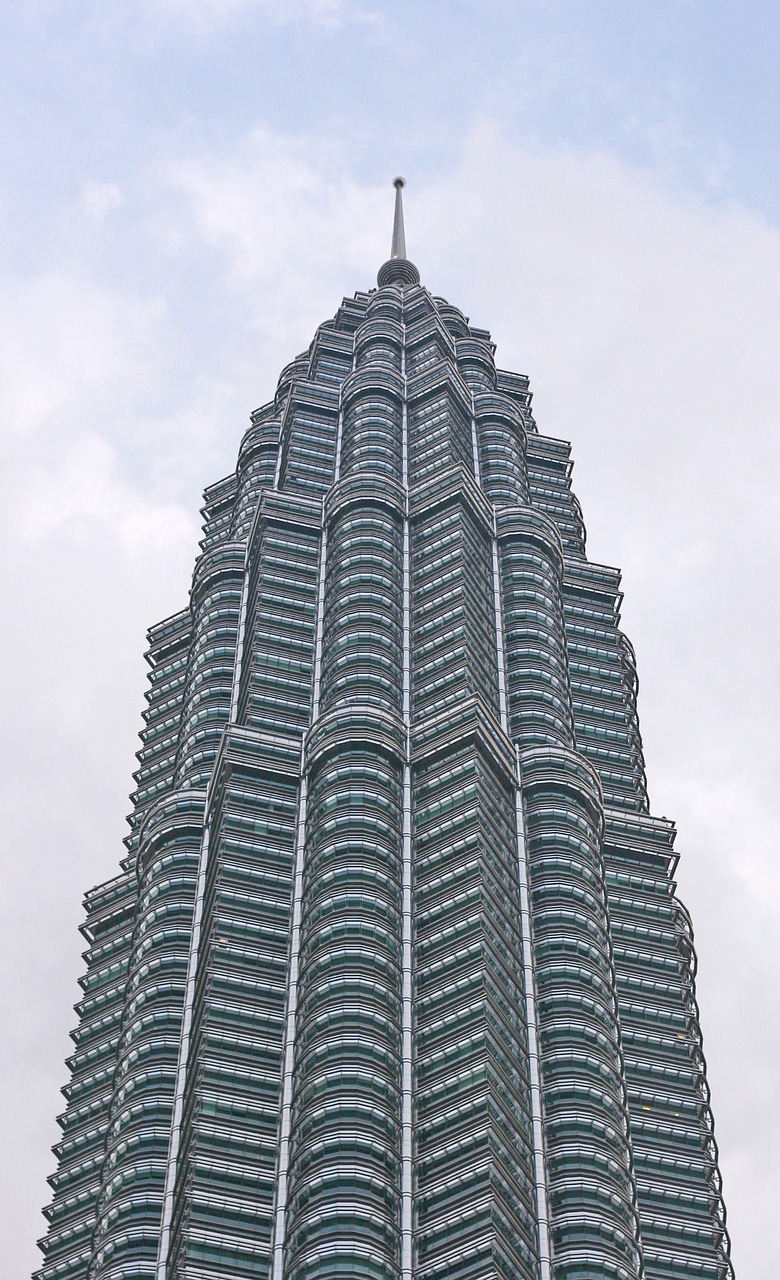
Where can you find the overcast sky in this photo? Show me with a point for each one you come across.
(187, 188)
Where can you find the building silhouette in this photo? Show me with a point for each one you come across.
(393, 982)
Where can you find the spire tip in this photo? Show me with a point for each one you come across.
(398, 245)
(398, 269)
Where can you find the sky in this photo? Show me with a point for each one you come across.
(187, 189)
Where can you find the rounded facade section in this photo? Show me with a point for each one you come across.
(475, 364)
(362, 635)
(254, 472)
(631, 687)
(379, 343)
(688, 965)
(344, 1204)
(388, 303)
(531, 564)
(454, 320)
(215, 604)
(592, 1201)
(292, 372)
(371, 402)
(130, 1206)
(502, 449)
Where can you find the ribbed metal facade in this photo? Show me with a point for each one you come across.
(394, 982)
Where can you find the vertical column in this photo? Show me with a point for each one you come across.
(630, 681)
(279, 1237)
(454, 651)
(80, 1152)
(272, 688)
(476, 1202)
(593, 1215)
(222, 1198)
(499, 431)
(344, 1191)
(407, 958)
(280, 1233)
(258, 638)
(216, 604)
(137, 1142)
(308, 438)
(255, 470)
(603, 683)
(476, 1205)
(532, 1024)
(593, 1219)
(168, 655)
(183, 1061)
(343, 1210)
(502, 445)
(539, 693)
(675, 1155)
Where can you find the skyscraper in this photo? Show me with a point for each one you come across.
(393, 982)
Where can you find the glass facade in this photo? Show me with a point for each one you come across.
(393, 982)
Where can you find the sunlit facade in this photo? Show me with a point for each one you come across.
(393, 982)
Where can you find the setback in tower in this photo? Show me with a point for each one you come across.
(393, 983)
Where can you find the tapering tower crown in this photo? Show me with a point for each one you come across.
(398, 269)
(393, 980)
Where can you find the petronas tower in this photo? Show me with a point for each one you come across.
(393, 982)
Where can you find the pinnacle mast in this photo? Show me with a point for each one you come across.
(398, 246)
(398, 269)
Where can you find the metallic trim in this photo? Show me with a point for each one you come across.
(532, 1025)
(398, 243)
(279, 1229)
(234, 694)
(407, 961)
(500, 647)
(161, 1268)
(285, 1124)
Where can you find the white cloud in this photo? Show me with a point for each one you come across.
(98, 199)
(291, 227)
(210, 13)
(69, 343)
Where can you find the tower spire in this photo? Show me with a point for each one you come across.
(398, 246)
(398, 269)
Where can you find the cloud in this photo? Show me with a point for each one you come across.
(68, 343)
(212, 13)
(98, 199)
(290, 228)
